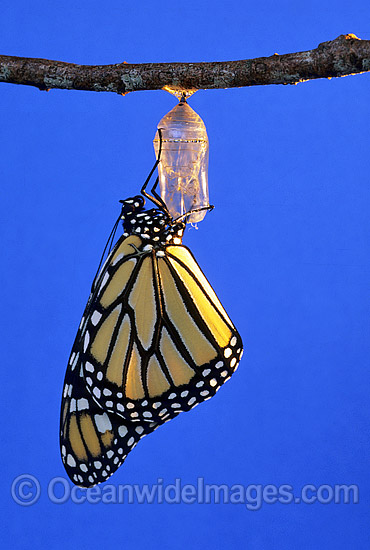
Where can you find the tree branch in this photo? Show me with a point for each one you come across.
(343, 56)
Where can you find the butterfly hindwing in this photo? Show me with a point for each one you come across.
(94, 443)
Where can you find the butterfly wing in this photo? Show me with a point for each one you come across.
(158, 340)
(94, 443)
(154, 341)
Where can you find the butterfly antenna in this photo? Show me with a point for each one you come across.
(107, 248)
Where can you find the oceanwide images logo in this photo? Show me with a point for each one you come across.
(26, 490)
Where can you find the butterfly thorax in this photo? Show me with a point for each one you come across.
(155, 227)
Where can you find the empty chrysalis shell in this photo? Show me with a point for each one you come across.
(183, 169)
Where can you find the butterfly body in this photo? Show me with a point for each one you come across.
(154, 341)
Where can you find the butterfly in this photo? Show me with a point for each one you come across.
(154, 341)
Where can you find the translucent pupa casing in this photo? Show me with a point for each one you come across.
(183, 168)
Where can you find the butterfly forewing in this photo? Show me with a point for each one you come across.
(158, 340)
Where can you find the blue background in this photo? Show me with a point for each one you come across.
(286, 249)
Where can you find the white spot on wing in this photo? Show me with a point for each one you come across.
(95, 318)
(75, 361)
(122, 430)
(104, 281)
(71, 461)
(86, 341)
(102, 422)
(119, 257)
(82, 404)
(89, 367)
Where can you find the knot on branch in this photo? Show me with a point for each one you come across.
(341, 40)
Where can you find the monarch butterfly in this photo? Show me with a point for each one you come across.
(154, 341)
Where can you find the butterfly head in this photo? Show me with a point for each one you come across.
(155, 226)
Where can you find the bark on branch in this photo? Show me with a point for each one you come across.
(343, 56)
